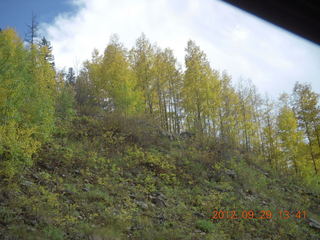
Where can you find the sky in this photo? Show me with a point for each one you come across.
(242, 44)
(17, 13)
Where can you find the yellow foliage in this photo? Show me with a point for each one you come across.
(16, 148)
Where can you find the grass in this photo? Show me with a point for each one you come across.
(81, 188)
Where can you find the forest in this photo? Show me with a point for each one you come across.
(135, 145)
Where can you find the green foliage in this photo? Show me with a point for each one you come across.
(26, 103)
(113, 81)
(205, 226)
(53, 233)
(306, 106)
(80, 160)
(16, 148)
(65, 108)
(199, 88)
(291, 138)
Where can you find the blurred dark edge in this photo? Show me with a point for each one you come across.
(301, 17)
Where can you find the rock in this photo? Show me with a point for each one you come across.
(132, 195)
(85, 189)
(248, 192)
(142, 205)
(214, 177)
(27, 183)
(247, 236)
(48, 167)
(231, 173)
(153, 205)
(96, 237)
(159, 202)
(67, 192)
(159, 195)
(35, 176)
(158, 199)
(200, 215)
(250, 197)
(30, 220)
(33, 222)
(161, 219)
(314, 223)
(220, 189)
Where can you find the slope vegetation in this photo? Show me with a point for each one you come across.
(115, 178)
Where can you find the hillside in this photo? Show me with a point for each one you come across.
(135, 147)
(133, 183)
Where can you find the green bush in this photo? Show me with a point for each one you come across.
(205, 226)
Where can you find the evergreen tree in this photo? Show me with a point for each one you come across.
(71, 77)
(48, 51)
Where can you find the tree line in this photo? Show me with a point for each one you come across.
(36, 100)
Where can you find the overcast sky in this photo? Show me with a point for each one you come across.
(233, 40)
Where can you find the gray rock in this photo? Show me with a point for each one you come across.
(132, 195)
(200, 215)
(158, 199)
(160, 195)
(35, 176)
(159, 202)
(231, 173)
(48, 167)
(314, 223)
(67, 192)
(220, 189)
(27, 183)
(142, 205)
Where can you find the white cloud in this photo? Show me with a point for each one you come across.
(239, 34)
(233, 40)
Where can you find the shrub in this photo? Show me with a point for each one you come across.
(205, 226)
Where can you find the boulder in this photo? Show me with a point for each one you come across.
(158, 199)
(314, 223)
(142, 205)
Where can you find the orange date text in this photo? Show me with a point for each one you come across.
(262, 214)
